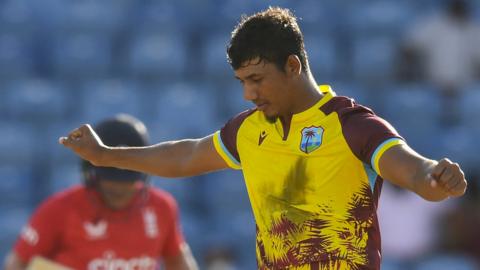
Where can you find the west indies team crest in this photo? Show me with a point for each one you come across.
(311, 139)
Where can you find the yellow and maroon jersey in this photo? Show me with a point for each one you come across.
(314, 191)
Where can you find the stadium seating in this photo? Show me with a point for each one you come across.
(13, 219)
(373, 58)
(215, 57)
(447, 262)
(17, 141)
(37, 100)
(154, 56)
(81, 56)
(469, 106)
(322, 55)
(414, 110)
(107, 97)
(14, 185)
(15, 56)
(184, 110)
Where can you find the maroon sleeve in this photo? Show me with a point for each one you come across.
(363, 130)
(42, 233)
(229, 131)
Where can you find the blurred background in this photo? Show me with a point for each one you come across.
(69, 62)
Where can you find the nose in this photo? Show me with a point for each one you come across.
(249, 93)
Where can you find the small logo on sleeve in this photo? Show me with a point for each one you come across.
(262, 137)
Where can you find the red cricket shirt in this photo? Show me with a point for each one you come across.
(73, 228)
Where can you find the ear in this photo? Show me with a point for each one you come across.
(293, 66)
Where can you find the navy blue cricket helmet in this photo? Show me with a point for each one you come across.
(120, 130)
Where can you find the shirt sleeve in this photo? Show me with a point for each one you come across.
(225, 140)
(40, 236)
(367, 134)
(174, 239)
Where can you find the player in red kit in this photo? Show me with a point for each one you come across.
(113, 221)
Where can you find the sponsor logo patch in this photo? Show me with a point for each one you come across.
(96, 230)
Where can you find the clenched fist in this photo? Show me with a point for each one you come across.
(85, 143)
(449, 177)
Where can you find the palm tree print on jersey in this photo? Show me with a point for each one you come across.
(311, 139)
(293, 241)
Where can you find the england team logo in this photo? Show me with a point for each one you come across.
(311, 139)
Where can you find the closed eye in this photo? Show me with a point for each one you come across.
(257, 80)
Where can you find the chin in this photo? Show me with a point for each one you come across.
(272, 118)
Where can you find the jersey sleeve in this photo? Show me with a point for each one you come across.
(367, 134)
(41, 234)
(225, 140)
(174, 239)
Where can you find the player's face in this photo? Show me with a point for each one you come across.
(117, 194)
(266, 86)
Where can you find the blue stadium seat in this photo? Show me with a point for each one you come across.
(184, 110)
(379, 17)
(16, 58)
(229, 10)
(159, 16)
(94, 17)
(448, 262)
(226, 192)
(235, 230)
(460, 144)
(182, 189)
(232, 99)
(65, 175)
(322, 55)
(414, 110)
(16, 184)
(353, 90)
(37, 100)
(389, 264)
(470, 106)
(105, 98)
(16, 16)
(155, 56)
(17, 141)
(81, 56)
(373, 58)
(314, 16)
(13, 219)
(215, 57)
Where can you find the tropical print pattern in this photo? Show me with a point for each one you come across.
(340, 243)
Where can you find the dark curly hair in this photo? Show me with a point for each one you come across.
(271, 35)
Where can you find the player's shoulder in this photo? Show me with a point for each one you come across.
(71, 193)
(240, 118)
(161, 198)
(63, 199)
(344, 106)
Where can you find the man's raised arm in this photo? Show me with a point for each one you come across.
(181, 158)
(433, 180)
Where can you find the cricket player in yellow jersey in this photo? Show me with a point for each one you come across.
(313, 162)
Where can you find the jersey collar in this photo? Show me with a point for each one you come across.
(328, 94)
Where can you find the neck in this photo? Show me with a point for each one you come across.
(305, 94)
